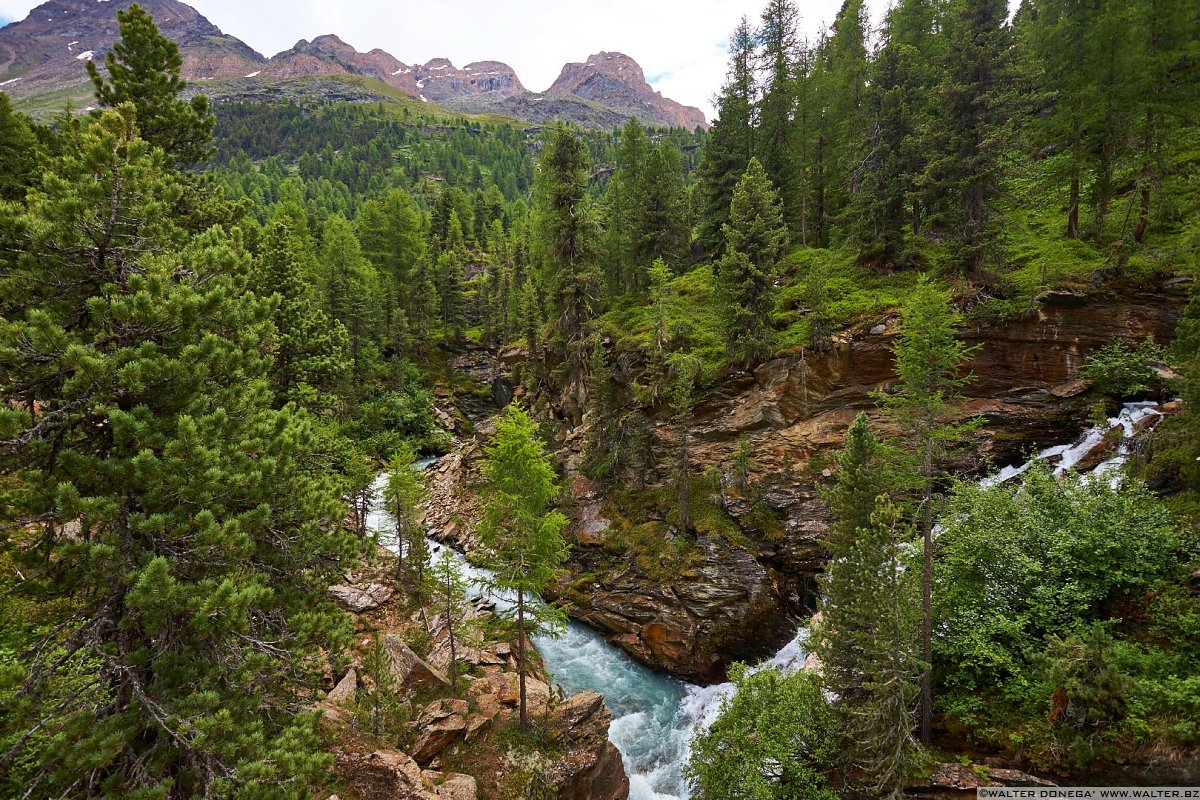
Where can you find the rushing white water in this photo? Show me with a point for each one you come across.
(654, 715)
(1070, 455)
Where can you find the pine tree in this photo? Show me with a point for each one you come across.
(898, 100)
(780, 50)
(755, 241)
(390, 234)
(660, 220)
(621, 198)
(929, 365)
(18, 152)
(143, 68)
(730, 143)
(685, 369)
(311, 350)
(351, 290)
(523, 537)
(155, 483)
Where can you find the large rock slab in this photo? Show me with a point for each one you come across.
(409, 669)
(361, 598)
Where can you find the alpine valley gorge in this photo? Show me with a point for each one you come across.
(376, 430)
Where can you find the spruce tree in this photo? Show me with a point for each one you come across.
(522, 535)
(566, 239)
(866, 638)
(974, 105)
(755, 241)
(451, 592)
(143, 68)
(730, 143)
(152, 481)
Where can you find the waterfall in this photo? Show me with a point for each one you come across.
(655, 716)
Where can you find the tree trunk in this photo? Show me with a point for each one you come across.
(521, 655)
(399, 543)
(453, 651)
(927, 600)
(1147, 173)
(685, 482)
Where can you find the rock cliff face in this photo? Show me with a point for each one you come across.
(616, 80)
(732, 600)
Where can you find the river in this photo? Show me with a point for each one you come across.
(655, 715)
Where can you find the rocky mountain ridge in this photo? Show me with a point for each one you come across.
(44, 55)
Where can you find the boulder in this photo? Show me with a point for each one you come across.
(458, 787)
(361, 598)
(409, 668)
(488, 708)
(438, 725)
(383, 775)
(570, 719)
(345, 689)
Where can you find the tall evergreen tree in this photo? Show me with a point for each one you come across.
(929, 365)
(153, 482)
(660, 220)
(18, 152)
(898, 101)
(566, 238)
(143, 68)
(521, 533)
(756, 238)
(730, 143)
(866, 639)
(972, 123)
(778, 57)
(311, 350)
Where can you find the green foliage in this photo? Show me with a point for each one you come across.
(143, 69)
(867, 637)
(149, 476)
(755, 238)
(775, 740)
(18, 152)
(1024, 575)
(1120, 370)
(523, 538)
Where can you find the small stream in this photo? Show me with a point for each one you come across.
(655, 715)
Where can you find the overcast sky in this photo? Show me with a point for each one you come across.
(681, 44)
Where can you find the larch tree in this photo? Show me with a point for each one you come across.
(522, 534)
(403, 492)
(930, 360)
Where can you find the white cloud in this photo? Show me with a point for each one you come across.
(683, 41)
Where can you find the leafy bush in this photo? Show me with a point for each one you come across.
(1121, 370)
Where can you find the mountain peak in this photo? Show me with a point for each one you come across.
(617, 81)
